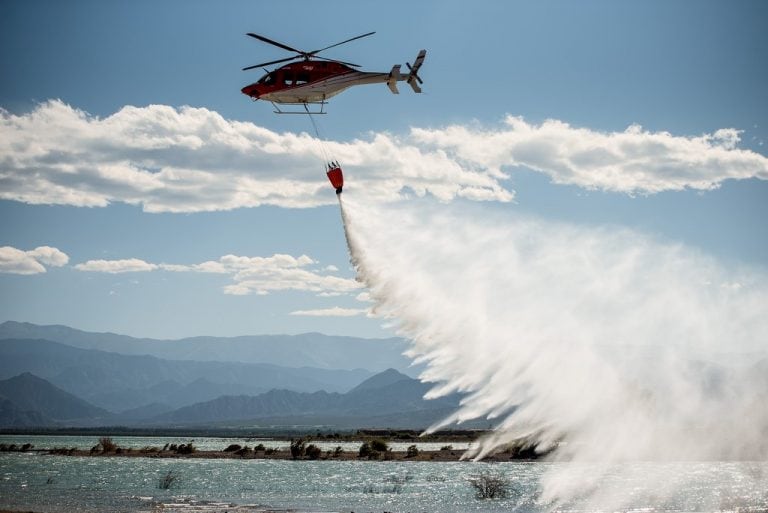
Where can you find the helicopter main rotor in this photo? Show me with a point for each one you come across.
(300, 54)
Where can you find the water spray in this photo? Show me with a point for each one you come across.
(602, 345)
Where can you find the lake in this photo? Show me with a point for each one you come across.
(47, 484)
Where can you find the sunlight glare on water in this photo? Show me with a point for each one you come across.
(48, 484)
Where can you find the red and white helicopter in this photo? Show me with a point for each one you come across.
(315, 79)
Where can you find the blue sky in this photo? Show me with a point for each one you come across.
(674, 92)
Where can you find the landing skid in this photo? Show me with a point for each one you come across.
(305, 111)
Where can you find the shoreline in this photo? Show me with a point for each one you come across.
(369, 445)
(443, 455)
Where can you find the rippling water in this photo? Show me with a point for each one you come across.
(50, 484)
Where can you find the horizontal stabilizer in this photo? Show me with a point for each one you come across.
(394, 76)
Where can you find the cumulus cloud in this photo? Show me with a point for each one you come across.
(336, 311)
(186, 159)
(634, 160)
(16, 261)
(128, 265)
(192, 159)
(251, 275)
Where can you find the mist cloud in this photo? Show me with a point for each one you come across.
(187, 159)
(604, 344)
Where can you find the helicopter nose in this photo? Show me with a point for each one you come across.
(251, 90)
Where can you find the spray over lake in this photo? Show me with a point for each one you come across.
(605, 345)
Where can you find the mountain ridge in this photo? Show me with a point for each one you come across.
(30, 401)
(307, 349)
(30, 393)
(389, 394)
(120, 382)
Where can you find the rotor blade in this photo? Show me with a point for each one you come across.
(336, 60)
(279, 45)
(270, 63)
(337, 44)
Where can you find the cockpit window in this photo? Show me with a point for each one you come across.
(268, 78)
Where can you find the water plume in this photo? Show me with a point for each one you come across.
(601, 344)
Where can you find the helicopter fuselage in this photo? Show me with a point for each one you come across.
(314, 81)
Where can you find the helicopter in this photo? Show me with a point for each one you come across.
(314, 79)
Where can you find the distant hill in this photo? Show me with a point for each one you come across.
(40, 400)
(11, 416)
(382, 379)
(389, 397)
(121, 382)
(305, 350)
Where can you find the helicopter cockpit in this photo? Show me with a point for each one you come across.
(269, 78)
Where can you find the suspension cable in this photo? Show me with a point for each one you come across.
(317, 133)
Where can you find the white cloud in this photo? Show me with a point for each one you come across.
(634, 160)
(332, 312)
(251, 275)
(128, 265)
(192, 159)
(16, 261)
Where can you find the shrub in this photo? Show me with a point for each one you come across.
(297, 448)
(365, 450)
(523, 451)
(337, 451)
(379, 445)
(446, 448)
(489, 486)
(412, 451)
(313, 452)
(259, 447)
(166, 481)
(233, 448)
(186, 448)
(244, 451)
(107, 445)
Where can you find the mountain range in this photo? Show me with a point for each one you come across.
(119, 382)
(304, 350)
(389, 397)
(59, 376)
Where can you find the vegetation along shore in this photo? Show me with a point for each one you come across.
(373, 445)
